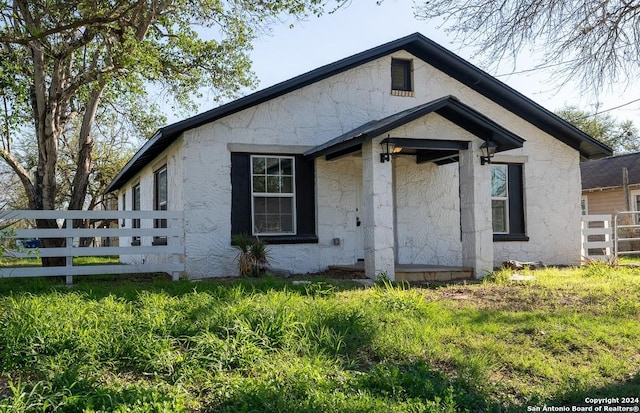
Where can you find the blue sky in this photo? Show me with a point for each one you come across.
(288, 52)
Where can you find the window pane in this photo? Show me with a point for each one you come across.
(258, 166)
(499, 181)
(273, 205)
(287, 185)
(260, 205)
(286, 205)
(273, 223)
(273, 166)
(287, 222)
(259, 184)
(273, 184)
(161, 187)
(260, 223)
(136, 198)
(499, 215)
(287, 166)
(400, 74)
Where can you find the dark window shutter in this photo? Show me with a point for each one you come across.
(305, 196)
(240, 194)
(516, 200)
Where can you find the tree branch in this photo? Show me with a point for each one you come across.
(23, 175)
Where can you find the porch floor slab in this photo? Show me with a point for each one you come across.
(416, 272)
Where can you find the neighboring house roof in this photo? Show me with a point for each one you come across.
(416, 44)
(607, 172)
(449, 107)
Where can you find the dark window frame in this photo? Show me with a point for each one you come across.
(124, 207)
(517, 230)
(401, 75)
(158, 205)
(135, 206)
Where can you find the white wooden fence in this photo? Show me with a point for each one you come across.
(627, 233)
(150, 258)
(597, 241)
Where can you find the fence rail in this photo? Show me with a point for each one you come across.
(160, 249)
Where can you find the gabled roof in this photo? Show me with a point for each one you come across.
(416, 44)
(607, 172)
(449, 107)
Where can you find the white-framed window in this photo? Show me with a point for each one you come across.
(273, 196)
(500, 198)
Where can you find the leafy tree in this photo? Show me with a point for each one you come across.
(622, 136)
(63, 63)
(596, 41)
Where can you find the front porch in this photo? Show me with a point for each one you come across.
(412, 204)
(416, 272)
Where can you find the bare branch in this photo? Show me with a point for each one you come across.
(598, 39)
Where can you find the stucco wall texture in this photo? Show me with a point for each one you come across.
(426, 213)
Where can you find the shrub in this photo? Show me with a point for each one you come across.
(253, 256)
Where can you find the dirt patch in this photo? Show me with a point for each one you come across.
(5, 390)
(508, 297)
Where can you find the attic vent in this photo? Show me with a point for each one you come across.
(401, 81)
(407, 93)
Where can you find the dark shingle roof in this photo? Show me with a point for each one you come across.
(416, 44)
(607, 172)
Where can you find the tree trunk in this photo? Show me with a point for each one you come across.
(51, 243)
(85, 150)
(48, 124)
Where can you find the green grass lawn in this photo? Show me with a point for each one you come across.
(8, 262)
(265, 345)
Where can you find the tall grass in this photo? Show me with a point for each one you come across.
(269, 346)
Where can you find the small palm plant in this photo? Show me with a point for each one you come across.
(253, 255)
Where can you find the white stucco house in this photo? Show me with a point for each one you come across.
(376, 157)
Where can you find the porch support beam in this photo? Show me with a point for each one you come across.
(378, 231)
(475, 212)
(435, 156)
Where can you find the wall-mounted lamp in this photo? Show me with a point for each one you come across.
(487, 150)
(387, 150)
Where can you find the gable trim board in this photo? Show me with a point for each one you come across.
(416, 44)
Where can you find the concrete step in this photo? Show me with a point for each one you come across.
(417, 272)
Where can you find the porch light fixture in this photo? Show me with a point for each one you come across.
(487, 150)
(388, 148)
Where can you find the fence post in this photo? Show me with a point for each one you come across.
(175, 275)
(69, 258)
